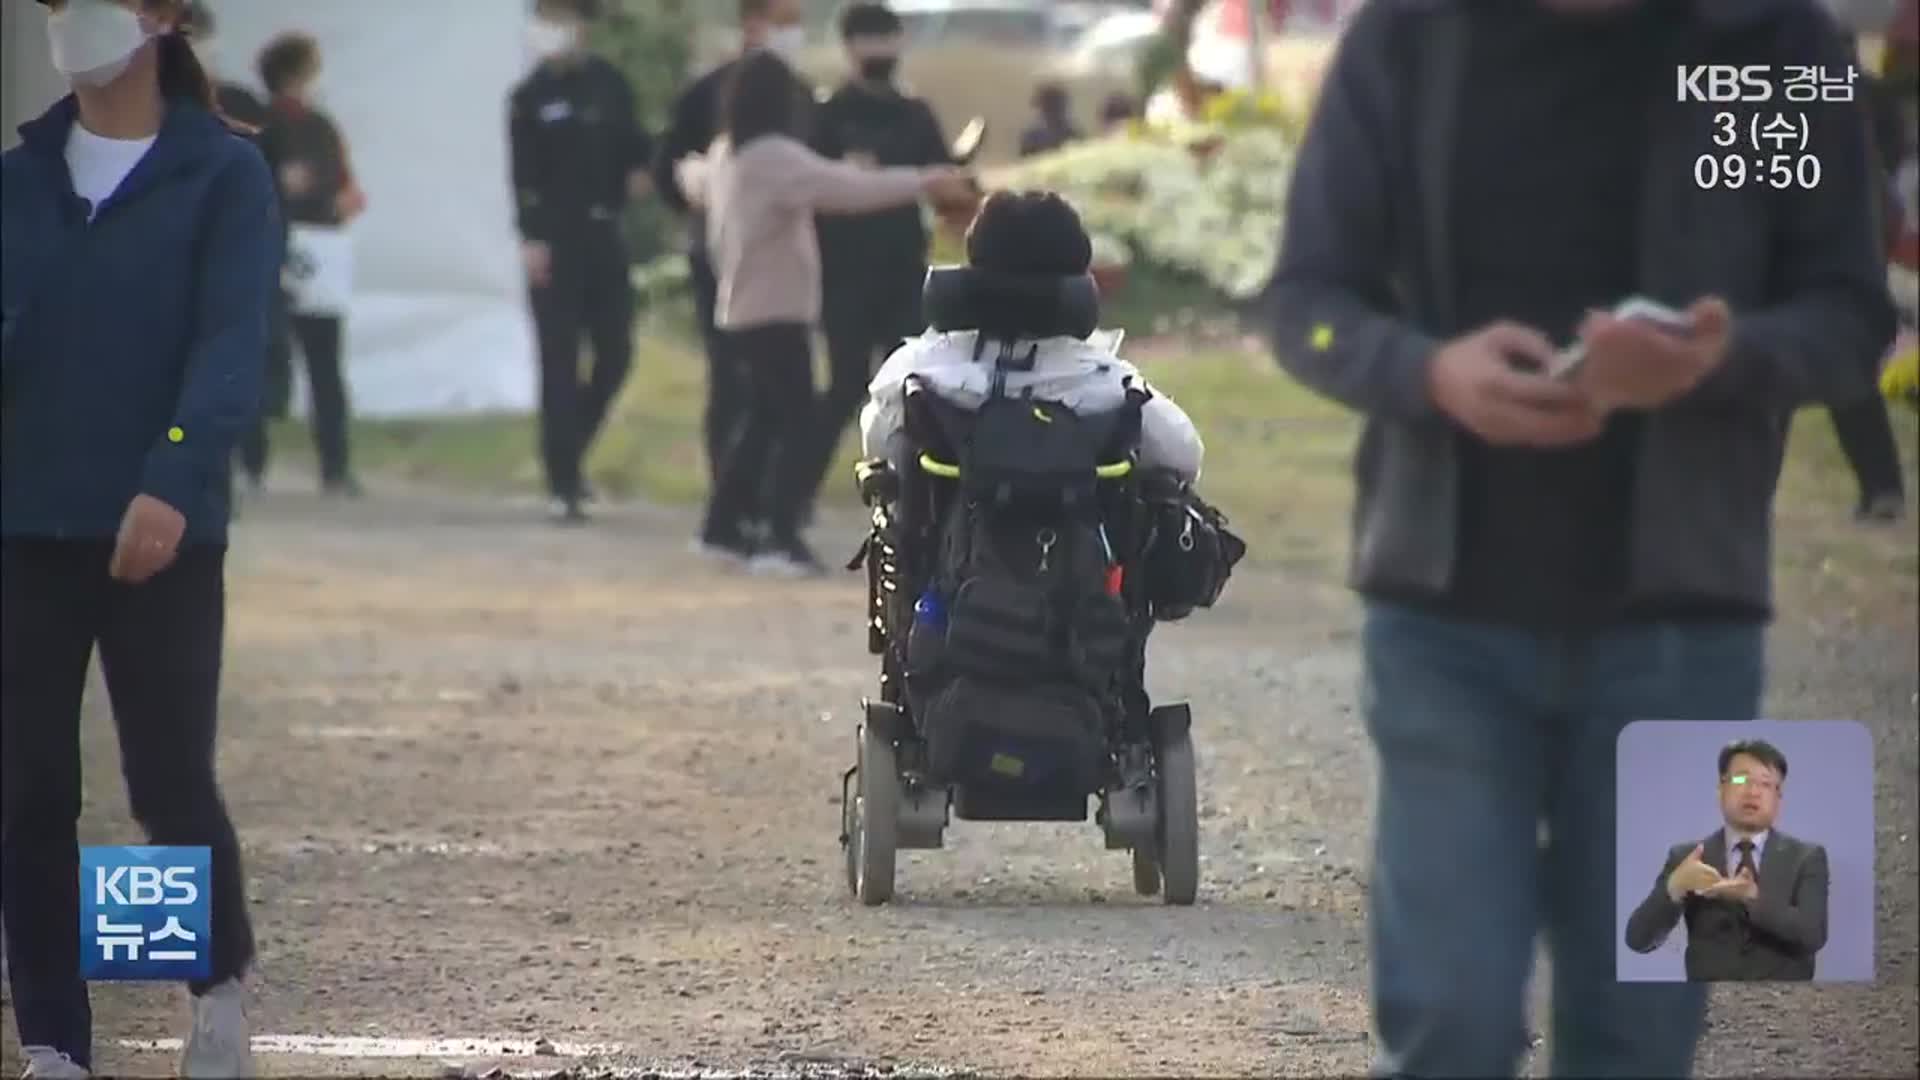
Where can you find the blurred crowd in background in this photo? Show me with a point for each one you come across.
(588, 142)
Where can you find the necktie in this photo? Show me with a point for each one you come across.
(1745, 848)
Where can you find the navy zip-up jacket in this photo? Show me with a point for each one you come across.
(133, 346)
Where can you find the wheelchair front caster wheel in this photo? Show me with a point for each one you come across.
(1178, 827)
(873, 836)
(1146, 873)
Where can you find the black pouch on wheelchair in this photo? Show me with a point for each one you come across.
(983, 733)
(1191, 557)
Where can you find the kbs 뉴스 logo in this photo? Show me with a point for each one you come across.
(146, 913)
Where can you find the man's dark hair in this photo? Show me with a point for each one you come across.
(285, 59)
(762, 97)
(1759, 750)
(869, 20)
(1029, 233)
(755, 9)
(1051, 98)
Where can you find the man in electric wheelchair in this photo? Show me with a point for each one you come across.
(1033, 517)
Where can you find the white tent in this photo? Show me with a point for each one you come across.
(439, 320)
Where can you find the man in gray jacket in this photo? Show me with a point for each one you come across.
(1544, 558)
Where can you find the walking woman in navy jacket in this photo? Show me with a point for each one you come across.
(140, 241)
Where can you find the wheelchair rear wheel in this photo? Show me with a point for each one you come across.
(873, 840)
(1178, 827)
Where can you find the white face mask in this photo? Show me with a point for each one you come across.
(549, 39)
(93, 41)
(786, 41)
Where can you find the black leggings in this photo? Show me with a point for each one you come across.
(319, 337)
(768, 460)
(160, 650)
(727, 391)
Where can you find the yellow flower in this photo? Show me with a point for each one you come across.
(1900, 382)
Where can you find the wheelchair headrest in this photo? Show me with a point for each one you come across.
(1011, 305)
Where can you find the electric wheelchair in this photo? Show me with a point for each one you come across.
(910, 779)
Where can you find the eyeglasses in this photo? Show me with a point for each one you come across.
(1762, 783)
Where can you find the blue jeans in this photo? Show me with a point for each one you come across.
(1483, 733)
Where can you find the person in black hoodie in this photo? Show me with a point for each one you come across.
(695, 124)
(873, 266)
(141, 236)
(317, 187)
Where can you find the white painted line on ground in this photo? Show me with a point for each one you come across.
(555, 1058)
(359, 1046)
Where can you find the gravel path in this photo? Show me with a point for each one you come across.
(574, 795)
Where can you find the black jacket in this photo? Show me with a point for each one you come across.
(1361, 297)
(1774, 938)
(887, 128)
(574, 140)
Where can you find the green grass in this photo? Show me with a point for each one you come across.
(1278, 461)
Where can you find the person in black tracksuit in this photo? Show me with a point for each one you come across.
(764, 24)
(873, 266)
(317, 187)
(578, 153)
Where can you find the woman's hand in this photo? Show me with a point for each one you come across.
(350, 203)
(149, 539)
(945, 184)
(296, 178)
(537, 258)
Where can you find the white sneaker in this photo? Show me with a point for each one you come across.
(46, 1063)
(221, 1044)
(780, 565)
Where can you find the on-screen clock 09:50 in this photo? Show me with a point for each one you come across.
(1735, 171)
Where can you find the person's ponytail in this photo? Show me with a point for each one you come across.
(182, 75)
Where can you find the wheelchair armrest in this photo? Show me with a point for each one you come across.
(877, 481)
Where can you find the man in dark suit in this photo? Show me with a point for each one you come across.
(1754, 898)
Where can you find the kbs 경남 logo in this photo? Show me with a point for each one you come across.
(146, 913)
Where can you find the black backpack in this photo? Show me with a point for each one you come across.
(1020, 643)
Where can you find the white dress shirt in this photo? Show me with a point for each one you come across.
(1733, 837)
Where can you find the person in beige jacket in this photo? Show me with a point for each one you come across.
(761, 186)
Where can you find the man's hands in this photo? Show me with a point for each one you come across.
(350, 203)
(639, 184)
(538, 260)
(1629, 364)
(1693, 875)
(1740, 887)
(149, 539)
(296, 178)
(1634, 364)
(1473, 380)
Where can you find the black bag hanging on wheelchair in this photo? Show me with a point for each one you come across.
(1016, 648)
(1190, 553)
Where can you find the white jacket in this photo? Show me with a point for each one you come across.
(1085, 376)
